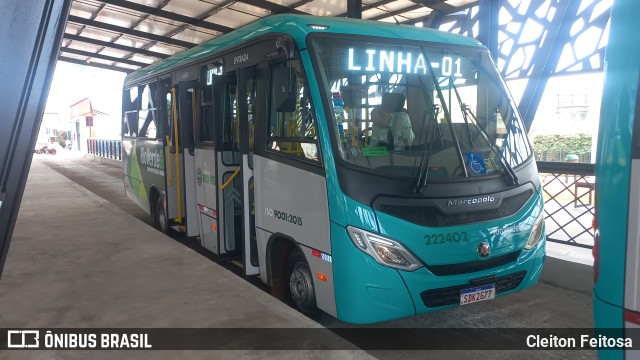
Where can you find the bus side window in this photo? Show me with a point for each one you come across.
(293, 133)
(211, 76)
(147, 114)
(131, 105)
(230, 126)
(167, 111)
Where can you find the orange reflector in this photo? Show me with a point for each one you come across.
(322, 276)
(214, 227)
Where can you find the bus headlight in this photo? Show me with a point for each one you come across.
(385, 251)
(536, 232)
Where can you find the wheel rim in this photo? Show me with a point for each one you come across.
(301, 287)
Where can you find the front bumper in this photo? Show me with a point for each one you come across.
(368, 292)
(430, 292)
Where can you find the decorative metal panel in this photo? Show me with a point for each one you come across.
(524, 25)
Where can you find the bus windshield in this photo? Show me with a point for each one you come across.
(425, 111)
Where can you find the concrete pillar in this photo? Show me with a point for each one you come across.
(488, 25)
(30, 36)
(354, 9)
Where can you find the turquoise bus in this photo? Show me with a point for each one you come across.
(372, 171)
(616, 294)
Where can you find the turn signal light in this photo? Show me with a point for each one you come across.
(322, 277)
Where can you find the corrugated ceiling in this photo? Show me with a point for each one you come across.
(127, 35)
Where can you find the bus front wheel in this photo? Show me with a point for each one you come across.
(161, 216)
(301, 285)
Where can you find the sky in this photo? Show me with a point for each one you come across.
(72, 83)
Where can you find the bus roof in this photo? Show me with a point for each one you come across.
(298, 27)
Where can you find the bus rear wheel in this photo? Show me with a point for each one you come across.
(301, 285)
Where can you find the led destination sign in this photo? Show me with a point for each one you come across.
(405, 62)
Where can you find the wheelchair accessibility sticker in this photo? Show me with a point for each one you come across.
(476, 163)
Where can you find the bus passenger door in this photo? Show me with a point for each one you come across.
(247, 115)
(235, 169)
(229, 167)
(187, 92)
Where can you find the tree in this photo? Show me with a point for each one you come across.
(573, 144)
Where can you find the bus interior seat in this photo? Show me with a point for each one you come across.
(393, 102)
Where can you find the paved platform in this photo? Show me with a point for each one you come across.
(77, 260)
(83, 255)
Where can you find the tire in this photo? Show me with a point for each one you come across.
(52, 152)
(160, 216)
(301, 288)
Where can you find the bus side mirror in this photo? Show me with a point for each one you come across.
(284, 88)
(286, 44)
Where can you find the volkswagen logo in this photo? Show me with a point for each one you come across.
(484, 249)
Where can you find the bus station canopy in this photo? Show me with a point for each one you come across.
(128, 35)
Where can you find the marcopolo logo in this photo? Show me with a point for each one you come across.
(471, 201)
(152, 158)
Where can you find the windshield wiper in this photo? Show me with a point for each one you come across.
(467, 114)
(421, 181)
(462, 108)
(447, 114)
(503, 160)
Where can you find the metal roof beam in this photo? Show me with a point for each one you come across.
(168, 15)
(132, 32)
(397, 12)
(488, 26)
(103, 57)
(434, 20)
(437, 5)
(115, 46)
(546, 58)
(369, 7)
(96, 65)
(273, 7)
(299, 3)
(354, 9)
(442, 15)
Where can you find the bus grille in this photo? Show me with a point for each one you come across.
(451, 295)
(432, 217)
(473, 266)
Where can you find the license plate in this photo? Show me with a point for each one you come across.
(481, 293)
